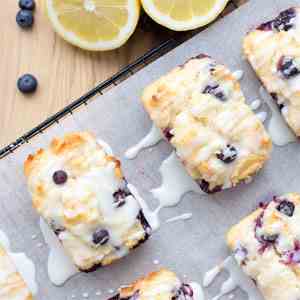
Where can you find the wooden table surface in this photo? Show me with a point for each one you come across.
(64, 72)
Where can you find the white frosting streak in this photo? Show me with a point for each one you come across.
(60, 265)
(182, 217)
(237, 278)
(198, 293)
(175, 182)
(151, 139)
(279, 131)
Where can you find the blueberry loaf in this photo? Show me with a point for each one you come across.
(79, 189)
(266, 244)
(12, 285)
(273, 50)
(161, 285)
(201, 110)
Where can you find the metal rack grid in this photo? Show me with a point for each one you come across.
(114, 80)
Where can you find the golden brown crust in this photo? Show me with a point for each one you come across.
(266, 245)
(149, 283)
(93, 197)
(264, 49)
(200, 109)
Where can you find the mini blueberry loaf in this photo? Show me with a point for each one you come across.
(161, 285)
(12, 285)
(79, 189)
(273, 50)
(201, 110)
(266, 244)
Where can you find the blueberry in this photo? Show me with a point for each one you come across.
(60, 177)
(184, 292)
(266, 240)
(204, 185)
(268, 26)
(240, 254)
(25, 18)
(57, 228)
(202, 55)
(116, 297)
(27, 84)
(167, 133)
(187, 290)
(284, 22)
(286, 207)
(101, 237)
(288, 67)
(269, 238)
(27, 4)
(228, 154)
(146, 226)
(120, 196)
(215, 90)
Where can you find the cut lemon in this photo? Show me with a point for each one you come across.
(181, 15)
(95, 25)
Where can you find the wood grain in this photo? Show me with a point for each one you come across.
(63, 71)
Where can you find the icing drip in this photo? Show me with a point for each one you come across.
(279, 131)
(255, 104)
(198, 293)
(210, 275)
(175, 183)
(236, 279)
(238, 74)
(262, 116)
(57, 258)
(151, 139)
(183, 217)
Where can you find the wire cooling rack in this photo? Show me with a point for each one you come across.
(114, 80)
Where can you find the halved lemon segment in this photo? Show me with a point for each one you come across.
(181, 15)
(94, 24)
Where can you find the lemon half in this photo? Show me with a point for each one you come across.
(95, 25)
(181, 15)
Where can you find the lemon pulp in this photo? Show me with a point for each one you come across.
(87, 23)
(183, 14)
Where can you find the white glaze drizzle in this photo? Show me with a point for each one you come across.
(198, 293)
(151, 139)
(279, 131)
(262, 116)
(105, 146)
(236, 278)
(175, 183)
(210, 275)
(23, 264)
(238, 74)
(151, 215)
(57, 258)
(182, 217)
(255, 104)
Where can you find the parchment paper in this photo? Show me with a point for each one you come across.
(190, 247)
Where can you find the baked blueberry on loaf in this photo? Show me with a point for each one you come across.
(79, 189)
(267, 246)
(201, 110)
(161, 285)
(12, 285)
(273, 50)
